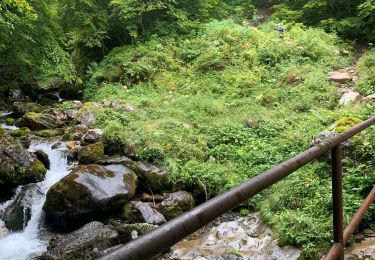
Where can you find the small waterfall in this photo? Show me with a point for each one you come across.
(27, 243)
(8, 127)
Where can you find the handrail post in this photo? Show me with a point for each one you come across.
(337, 203)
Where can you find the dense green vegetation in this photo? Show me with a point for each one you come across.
(213, 98)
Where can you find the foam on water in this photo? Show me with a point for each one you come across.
(26, 244)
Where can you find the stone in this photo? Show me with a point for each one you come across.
(88, 193)
(151, 197)
(75, 133)
(128, 232)
(91, 153)
(143, 212)
(242, 238)
(86, 118)
(369, 98)
(84, 243)
(40, 121)
(350, 98)
(92, 136)
(43, 157)
(23, 131)
(338, 76)
(17, 165)
(21, 108)
(16, 95)
(18, 213)
(153, 177)
(176, 203)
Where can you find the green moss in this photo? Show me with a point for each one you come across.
(38, 170)
(49, 132)
(91, 153)
(23, 131)
(244, 212)
(344, 124)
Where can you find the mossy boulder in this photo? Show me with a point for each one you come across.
(49, 132)
(40, 121)
(176, 203)
(8, 120)
(21, 108)
(17, 165)
(23, 131)
(91, 153)
(90, 192)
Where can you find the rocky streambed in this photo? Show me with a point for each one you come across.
(64, 194)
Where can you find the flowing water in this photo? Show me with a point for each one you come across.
(27, 243)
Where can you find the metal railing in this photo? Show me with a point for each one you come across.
(162, 238)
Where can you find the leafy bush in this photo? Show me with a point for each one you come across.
(366, 73)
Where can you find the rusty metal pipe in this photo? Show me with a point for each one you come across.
(337, 206)
(334, 252)
(160, 239)
(354, 222)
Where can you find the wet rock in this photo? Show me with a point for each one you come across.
(176, 203)
(75, 133)
(338, 76)
(83, 243)
(57, 113)
(18, 213)
(17, 165)
(151, 176)
(92, 136)
(56, 145)
(89, 192)
(86, 118)
(364, 249)
(91, 153)
(21, 108)
(43, 157)
(350, 98)
(242, 238)
(128, 232)
(143, 212)
(40, 121)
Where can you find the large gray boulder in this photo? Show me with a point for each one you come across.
(83, 243)
(176, 203)
(88, 193)
(17, 165)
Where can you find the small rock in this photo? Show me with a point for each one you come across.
(91, 153)
(369, 98)
(71, 145)
(338, 76)
(75, 133)
(151, 198)
(368, 232)
(125, 231)
(143, 212)
(56, 145)
(176, 203)
(43, 157)
(92, 136)
(350, 98)
(86, 118)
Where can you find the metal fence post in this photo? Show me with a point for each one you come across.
(337, 203)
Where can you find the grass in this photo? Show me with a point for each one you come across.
(227, 103)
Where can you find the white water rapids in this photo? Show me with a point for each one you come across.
(27, 243)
